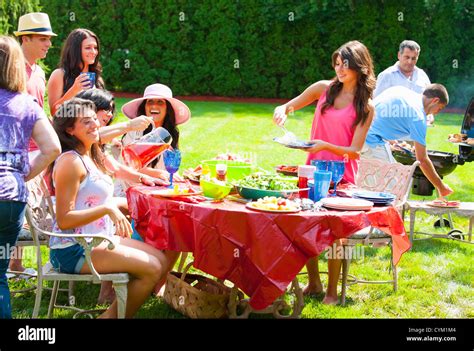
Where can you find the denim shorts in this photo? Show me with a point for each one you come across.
(68, 260)
(135, 234)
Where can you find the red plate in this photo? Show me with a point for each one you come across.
(287, 170)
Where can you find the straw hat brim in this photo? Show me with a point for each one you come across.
(181, 111)
(25, 32)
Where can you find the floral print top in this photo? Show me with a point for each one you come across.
(96, 189)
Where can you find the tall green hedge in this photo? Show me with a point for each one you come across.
(11, 10)
(263, 48)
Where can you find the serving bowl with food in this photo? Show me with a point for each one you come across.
(259, 185)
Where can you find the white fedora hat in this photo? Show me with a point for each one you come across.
(34, 23)
(158, 91)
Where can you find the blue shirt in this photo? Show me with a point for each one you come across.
(392, 76)
(399, 114)
(18, 115)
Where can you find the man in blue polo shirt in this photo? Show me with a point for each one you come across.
(400, 113)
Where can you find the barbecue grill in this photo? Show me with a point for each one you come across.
(444, 162)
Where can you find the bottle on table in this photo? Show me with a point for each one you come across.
(221, 172)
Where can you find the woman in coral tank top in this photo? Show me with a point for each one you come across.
(342, 119)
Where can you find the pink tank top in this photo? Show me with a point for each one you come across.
(335, 127)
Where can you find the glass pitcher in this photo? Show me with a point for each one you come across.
(144, 150)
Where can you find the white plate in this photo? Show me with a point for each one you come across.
(170, 193)
(294, 144)
(252, 207)
(345, 203)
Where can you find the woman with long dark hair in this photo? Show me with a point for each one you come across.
(80, 54)
(84, 205)
(342, 119)
(167, 112)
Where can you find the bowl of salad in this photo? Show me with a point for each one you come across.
(257, 186)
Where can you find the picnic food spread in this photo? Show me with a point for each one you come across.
(274, 204)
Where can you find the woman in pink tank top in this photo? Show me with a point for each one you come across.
(342, 119)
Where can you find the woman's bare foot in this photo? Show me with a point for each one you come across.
(108, 314)
(311, 289)
(107, 294)
(330, 300)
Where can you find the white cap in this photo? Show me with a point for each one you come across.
(306, 171)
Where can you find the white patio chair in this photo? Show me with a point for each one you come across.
(376, 175)
(36, 215)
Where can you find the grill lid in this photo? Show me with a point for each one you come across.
(467, 152)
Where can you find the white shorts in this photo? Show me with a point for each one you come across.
(378, 152)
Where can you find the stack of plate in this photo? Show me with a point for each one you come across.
(378, 198)
(346, 204)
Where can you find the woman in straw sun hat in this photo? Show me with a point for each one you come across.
(157, 103)
(167, 112)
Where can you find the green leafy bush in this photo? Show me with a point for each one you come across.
(272, 48)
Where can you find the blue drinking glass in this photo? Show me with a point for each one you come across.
(321, 165)
(337, 168)
(172, 159)
(322, 182)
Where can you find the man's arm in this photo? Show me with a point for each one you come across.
(429, 171)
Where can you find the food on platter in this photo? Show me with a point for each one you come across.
(444, 203)
(403, 145)
(268, 182)
(272, 203)
(457, 138)
(176, 191)
(193, 174)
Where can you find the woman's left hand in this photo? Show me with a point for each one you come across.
(318, 145)
(150, 181)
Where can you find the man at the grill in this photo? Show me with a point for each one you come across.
(400, 113)
(405, 72)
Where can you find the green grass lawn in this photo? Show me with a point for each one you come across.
(435, 277)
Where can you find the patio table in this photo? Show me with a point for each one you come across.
(260, 252)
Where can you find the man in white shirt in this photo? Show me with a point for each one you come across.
(405, 72)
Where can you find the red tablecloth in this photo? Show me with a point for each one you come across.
(260, 252)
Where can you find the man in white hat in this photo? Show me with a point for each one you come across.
(34, 32)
